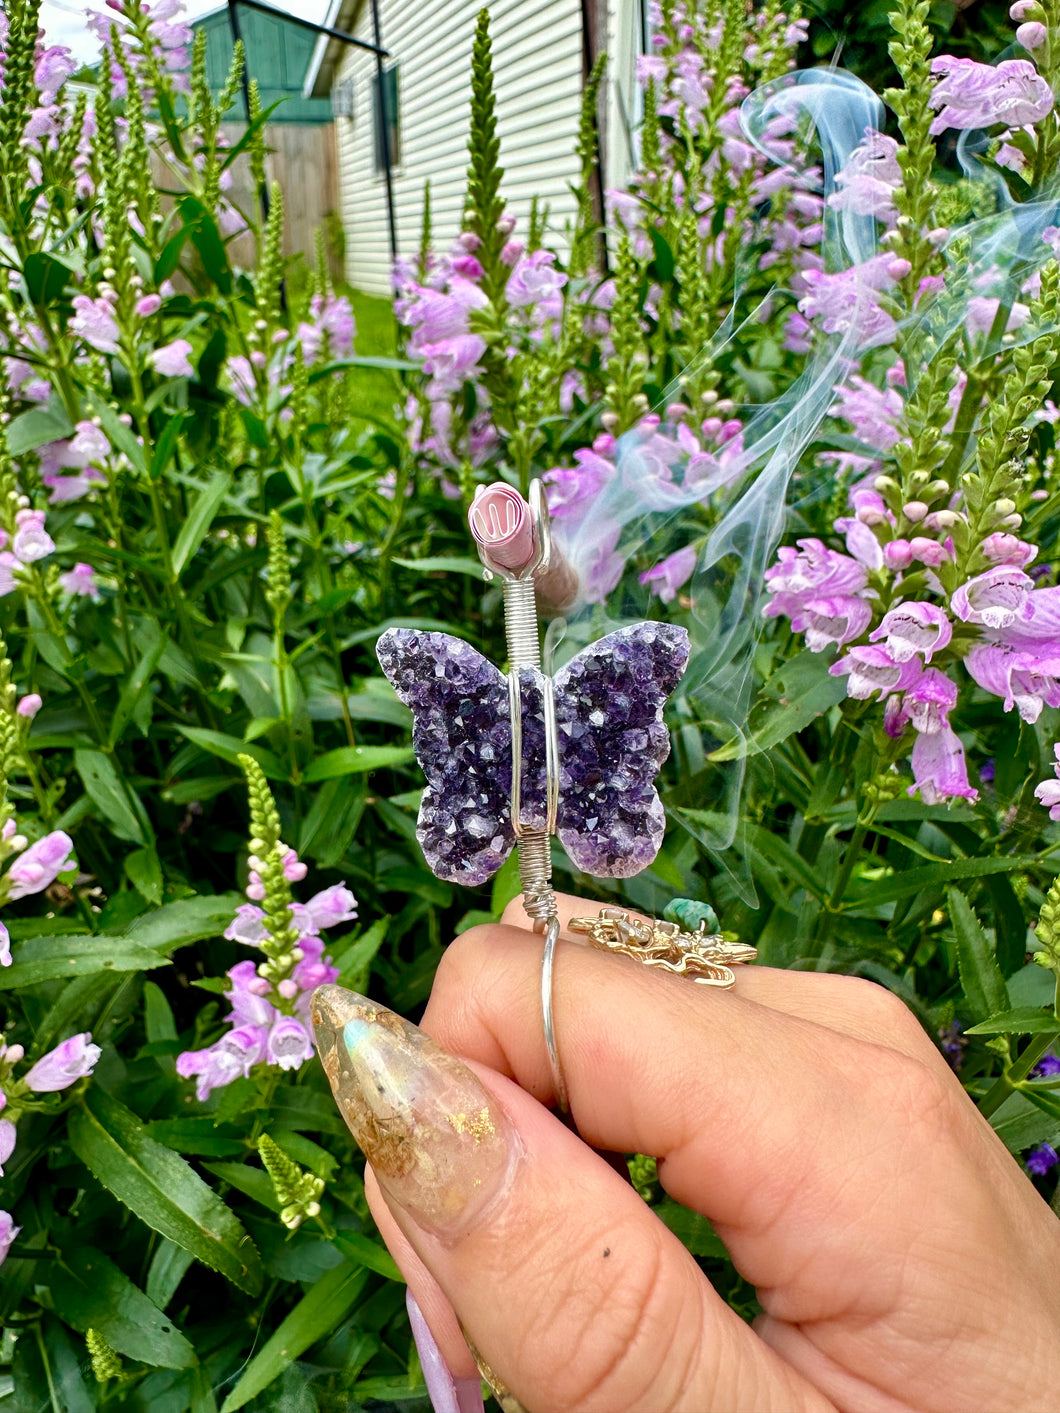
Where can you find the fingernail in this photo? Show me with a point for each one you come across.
(447, 1393)
(438, 1142)
(503, 1396)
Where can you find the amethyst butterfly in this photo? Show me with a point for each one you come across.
(610, 736)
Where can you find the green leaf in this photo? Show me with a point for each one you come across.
(230, 748)
(186, 921)
(316, 1315)
(119, 434)
(444, 563)
(663, 258)
(168, 1267)
(46, 276)
(356, 760)
(49, 958)
(166, 444)
(202, 229)
(161, 1188)
(800, 691)
(506, 885)
(355, 963)
(169, 259)
(159, 1025)
(93, 1293)
(37, 427)
(113, 804)
(694, 1231)
(197, 1135)
(981, 979)
(144, 869)
(916, 880)
(200, 518)
(138, 683)
(1024, 1020)
(254, 1183)
(362, 1251)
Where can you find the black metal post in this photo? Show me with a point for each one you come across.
(384, 123)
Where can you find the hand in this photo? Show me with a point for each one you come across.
(902, 1258)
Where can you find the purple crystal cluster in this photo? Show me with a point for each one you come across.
(610, 736)
(612, 742)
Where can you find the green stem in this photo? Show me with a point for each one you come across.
(1006, 1083)
(52, 1392)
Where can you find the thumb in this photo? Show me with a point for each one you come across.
(569, 1287)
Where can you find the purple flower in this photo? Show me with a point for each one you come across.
(833, 620)
(872, 668)
(90, 443)
(1039, 1160)
(172, 361)
(314, 969)
(63, 1066)
(927, 704)
(435, 316)
(451, 362)
(844, 301)
(40, 865)
(8, 1232)
(939, 768)
(80, 580)
(29, 706)
(66, 488)
(288, 1045)
(248, 996)
(32, 541)
(813, 571)
(1026, 680)
(671, 573)
(572, 490)
(1048, 1067)
(982, 311)
(914, 628)
(1048, 792)
(231, 1058)
(248, 926)
(602, 567)
(862, 542)
(332, 906)
(1000, 548)
(873, 412)
(994, 598)
(534, 282)
(53, 67)
(869, 179)
(5, 950)
(8, 1134)
(973, 95)
(147, 305)
(293, 870)
(1037, 628)
(1032, 35)
(94, 322)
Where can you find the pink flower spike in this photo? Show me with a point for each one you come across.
(672, 573)
(973, 95)
(501, 523)
(994, 599)
(30, 705)
(74, 1059)
(147, 305)
(928, 703)
(94, 322)
(8, 1232)
(90, 443)
(914, 628)
(1048, 792)
(861, 542)
(40, 865)
(939, 768)
(8, 1134)
(172, 360)
(247, 927)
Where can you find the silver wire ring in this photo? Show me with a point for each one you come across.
(548, 962)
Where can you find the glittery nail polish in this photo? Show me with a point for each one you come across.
(439, 1143)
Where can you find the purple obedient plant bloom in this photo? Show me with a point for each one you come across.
(972, 95)
(926, 704)
(939, 769)
(994, 599)
(288, 1043)
(833, 620)
(90, 442)
(1048, 1067)
(74, 1059)
(94, 321)
(913, 628)
(172, 360)
(1027, 681)
(5, 948)
(8, 1135)
(40, 865)
(672, 573)
(81, 580)
(8, 1232)
(872, 668)
(1041, 1158)
(1048, 792)
(869, 178)
(31, 540)
(332, 907)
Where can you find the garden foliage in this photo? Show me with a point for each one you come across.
(801, 318)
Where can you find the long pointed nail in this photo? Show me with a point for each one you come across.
(447, 1393)
(438, 1141)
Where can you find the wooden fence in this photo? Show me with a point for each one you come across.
(302, 159)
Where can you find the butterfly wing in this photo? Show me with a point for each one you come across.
(462, 738)
(612, 742)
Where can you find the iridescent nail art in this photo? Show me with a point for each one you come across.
(438, 1141)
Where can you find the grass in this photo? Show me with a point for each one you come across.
(376, 389)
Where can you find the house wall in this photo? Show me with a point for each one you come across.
(537, 64)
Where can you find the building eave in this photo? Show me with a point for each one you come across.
(328, 52)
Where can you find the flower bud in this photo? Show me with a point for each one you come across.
(1005, 506)
(914, 510)
(13, 1054)
(1012, 522)
(1032, 35)
(885, 484)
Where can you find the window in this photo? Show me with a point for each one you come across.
(342, 99)
(392, 124)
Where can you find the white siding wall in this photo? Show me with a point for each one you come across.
(537, 65)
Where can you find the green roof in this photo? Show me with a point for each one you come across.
(277, 55)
